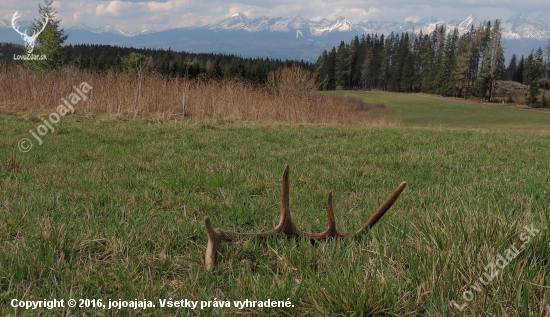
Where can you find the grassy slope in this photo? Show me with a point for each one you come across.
(107, 209)
(423, 110)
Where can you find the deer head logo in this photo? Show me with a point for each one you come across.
(29, 40)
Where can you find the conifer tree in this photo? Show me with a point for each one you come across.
(463, 63)
(385, 59)
(342, 70)
(546, 76)
(367, 64)
(426, 65)
(353, 57)
(448, 67)
(438, 39)
(496, 57)
(518, 76)
(482, 78)
(407, 79)
(49, 41)
(531, 77)
(512, 68)
(217, 71)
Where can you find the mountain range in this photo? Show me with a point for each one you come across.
(293, 38)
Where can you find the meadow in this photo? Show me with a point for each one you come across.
(423, 110)
(111, 206)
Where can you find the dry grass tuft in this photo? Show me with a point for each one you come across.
(289, 96)
(12, 163)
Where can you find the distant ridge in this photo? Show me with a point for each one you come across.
(293, 38)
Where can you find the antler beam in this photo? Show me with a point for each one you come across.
(16, 27)
(286, 226)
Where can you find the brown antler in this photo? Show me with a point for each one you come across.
(286, 226)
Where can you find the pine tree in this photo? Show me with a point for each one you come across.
(367, 63)
(447, 70)
(331, 69)
(482, 81)
(354, 70)
(546, 76)
(324, 70)
(237, 68)
(497, 56)
(393, 75)
(518, 76)
(512, 68)
(49, 41)
(217, 71)
(426, 64)
(438, 40)
(463, 63)
(342, 67)
(407, 79)
(539, 72)
(385, 58)
(531, 78)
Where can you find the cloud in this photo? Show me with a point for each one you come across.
(412, 19)
(354, 14)
(161, 14)
(191, 19)
(115, 9)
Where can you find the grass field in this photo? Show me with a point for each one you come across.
(108, 208)
(425, 110)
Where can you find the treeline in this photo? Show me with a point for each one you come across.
(443, 63)
(101, 58)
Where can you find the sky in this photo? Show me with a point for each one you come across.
(135, 15)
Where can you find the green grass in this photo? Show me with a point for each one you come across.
(426, 110)
(111, 209)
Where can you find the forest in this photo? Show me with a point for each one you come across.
(442, 62)
(101, 58)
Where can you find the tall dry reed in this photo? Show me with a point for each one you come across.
(286, 98)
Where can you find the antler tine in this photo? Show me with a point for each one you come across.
(331, 231)
(383, 208)
(35, 33)
(286, 225)
(214, 241)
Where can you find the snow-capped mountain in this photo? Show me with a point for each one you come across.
(466, 25)
(320, 28)
(108, 29)
(239, 21)
(426, 25)
(23, 24)
(338, 25)
(293, 38)
(523, 27)
(516, 27)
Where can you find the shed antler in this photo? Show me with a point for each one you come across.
(286, 226)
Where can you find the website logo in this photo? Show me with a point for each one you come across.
(30, 41)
